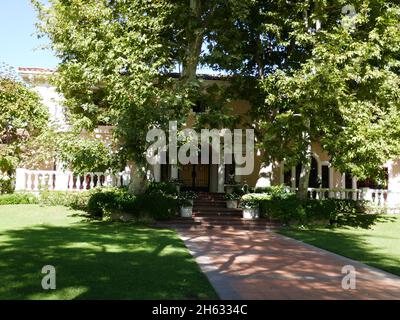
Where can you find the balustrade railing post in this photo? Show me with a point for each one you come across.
(35, 181)
(79, 182)
(91, 182)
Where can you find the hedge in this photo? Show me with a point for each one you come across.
(18, 198)
(293, 210)
(160, 202)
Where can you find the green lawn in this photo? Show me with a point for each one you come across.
(93, 260)
(377, 246)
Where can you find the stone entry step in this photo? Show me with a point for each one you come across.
(210, 212)
(223, 214)
(209, 203)
(216, 209)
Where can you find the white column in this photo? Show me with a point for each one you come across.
(174, 171)
(221, 177)
(293, 177)
(393, 197)
(157, 172)
(354, 187)
(331, 170)
(20, 179)
(319, 172)
(343, 196)
(238, 179)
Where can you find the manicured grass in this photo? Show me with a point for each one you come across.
(93, 260)
(377, 246)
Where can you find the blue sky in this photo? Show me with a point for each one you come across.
(19, 46)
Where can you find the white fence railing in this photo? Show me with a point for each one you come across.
(38, 180)
(379, 197)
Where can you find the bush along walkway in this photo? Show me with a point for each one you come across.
(266, 265)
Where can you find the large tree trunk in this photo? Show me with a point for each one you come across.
(139, 181)
(305, 176)
(306, 166)
(195, 37)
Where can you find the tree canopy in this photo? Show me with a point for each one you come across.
(22, 117)
(313, 70)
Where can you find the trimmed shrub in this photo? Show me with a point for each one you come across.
(75, 199)
(109, 200)
(100, 202)
(188, 195)
(158, 205)
(277, 192)
(232, 196)
(163, 187)
(155, 203)
(253, 200)
(18, 198)
(293, 210)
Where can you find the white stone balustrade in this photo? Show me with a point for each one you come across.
(39, 180)
(378, 197)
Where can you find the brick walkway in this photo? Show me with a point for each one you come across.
(266, 265)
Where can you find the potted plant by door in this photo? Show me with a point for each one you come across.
(189, 195)
(250, 207)
(186, 203)
(232, 200)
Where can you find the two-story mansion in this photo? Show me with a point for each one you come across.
(325, 180)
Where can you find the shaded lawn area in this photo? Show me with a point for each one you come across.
(93, 260)
(377, 245)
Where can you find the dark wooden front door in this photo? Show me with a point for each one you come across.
(195, 176)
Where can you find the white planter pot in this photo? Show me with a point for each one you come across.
(251, 213)
(231, 204)
(186, 212)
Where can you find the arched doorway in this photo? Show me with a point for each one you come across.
(195, 176)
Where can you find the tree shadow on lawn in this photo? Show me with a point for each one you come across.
(99, 260)
(362, 220)
(357, 246)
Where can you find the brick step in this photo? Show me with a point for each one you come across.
(228, 228)
(199, 196)
(227, 218)
(209, 203)
(191, 224)
(216, 221)
(217, 214)
(183, 221)
(209, 200)
(230, 222)
(211, 194)
(215, 209)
